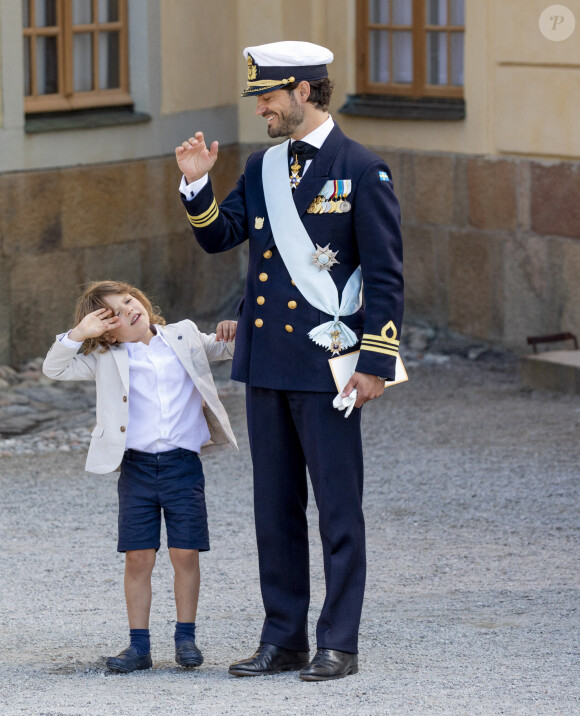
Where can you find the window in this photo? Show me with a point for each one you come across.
(410, 51)
(75, 54)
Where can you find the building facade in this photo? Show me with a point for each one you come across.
(473, 107)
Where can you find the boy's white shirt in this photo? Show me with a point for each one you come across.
(165, 409)
(110, 370)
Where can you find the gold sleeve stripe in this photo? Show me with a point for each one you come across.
(386, 351)
(206, 218)
(379, 344)
(381, 339)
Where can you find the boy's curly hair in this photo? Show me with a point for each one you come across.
(93, 298)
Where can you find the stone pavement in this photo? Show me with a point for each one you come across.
(471, 503)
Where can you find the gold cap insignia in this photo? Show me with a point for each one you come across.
(252, 69)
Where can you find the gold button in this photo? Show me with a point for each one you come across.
(289, 328)
(292, 282)
(259, 322)
(292, 304)
(124, 398)
(123, 428)
(263, 277)
(267, 254)
(261, 300)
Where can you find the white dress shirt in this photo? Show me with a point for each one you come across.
(316, 138)
(165, 407)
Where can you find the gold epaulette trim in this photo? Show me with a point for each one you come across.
(383, 343)
(206, 218)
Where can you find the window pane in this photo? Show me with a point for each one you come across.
(109, 72)
(402, 57)
(26, 13)
(108, 10)
(27, 77)
(437, 58)
(46, 67)
(456, 58)
(82, 12)
(457, 12)
(379, 11)
(436, 12)
(402, 12)
(83, 62)
(45, 13)
(379, 70)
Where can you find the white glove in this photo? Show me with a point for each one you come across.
(347, 403)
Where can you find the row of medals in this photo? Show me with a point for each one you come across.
(333, 206)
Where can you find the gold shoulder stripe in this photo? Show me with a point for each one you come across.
(206, 218)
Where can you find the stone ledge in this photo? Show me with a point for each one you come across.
(82, 119)
(557, 371)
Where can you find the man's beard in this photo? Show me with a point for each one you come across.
(287, 121)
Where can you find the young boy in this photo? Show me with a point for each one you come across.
(157, 409)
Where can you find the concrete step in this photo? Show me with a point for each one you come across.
(553, 370)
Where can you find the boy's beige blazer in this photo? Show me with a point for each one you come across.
(110, 370)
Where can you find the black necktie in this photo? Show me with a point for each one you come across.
(300, 152)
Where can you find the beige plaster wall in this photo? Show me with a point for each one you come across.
(332, 23)
(199, 51)
(536, 83)
(1, 88)
(520, 88)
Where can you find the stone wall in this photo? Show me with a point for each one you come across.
(492, 246)
(60, 229)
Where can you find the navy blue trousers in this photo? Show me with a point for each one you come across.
(290, 431)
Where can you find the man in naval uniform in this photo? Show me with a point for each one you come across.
(320, 213)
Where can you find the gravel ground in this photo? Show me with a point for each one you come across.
(471, 501)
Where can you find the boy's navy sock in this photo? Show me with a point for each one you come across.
(184, 630)
(140, 640)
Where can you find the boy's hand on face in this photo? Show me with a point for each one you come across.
(95, 324)
(226, 331)
(194, 158)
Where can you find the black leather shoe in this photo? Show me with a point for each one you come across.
(187, 654)
(129, 660)
(270, 659)
(330, 664)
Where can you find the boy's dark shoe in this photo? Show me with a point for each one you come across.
(330, 664)
(187, 654)
(270, 659)
(129, 660)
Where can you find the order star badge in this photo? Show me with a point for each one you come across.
(336, 344)
(324, 257)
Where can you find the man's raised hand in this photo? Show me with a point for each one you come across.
(194, 158)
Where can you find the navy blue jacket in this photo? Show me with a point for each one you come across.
(272, 345)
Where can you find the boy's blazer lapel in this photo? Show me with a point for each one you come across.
(121, 356)
(178, 341)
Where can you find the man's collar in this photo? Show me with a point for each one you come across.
(317, 136)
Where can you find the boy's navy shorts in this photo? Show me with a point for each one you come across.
(172, 481)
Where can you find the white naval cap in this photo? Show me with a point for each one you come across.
(277, 64)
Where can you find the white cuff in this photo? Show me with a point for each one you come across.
(189, 191)
(66, 341)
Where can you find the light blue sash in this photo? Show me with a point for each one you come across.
(296, 249)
